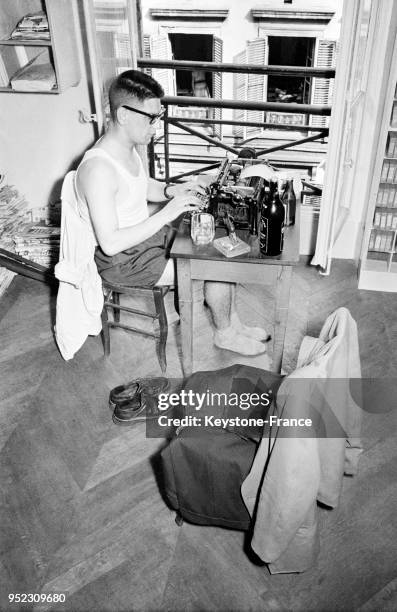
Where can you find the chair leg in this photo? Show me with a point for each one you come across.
(176, 299)
(105, 332)
(163, 323)
(116, 311)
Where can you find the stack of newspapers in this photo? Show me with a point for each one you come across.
(13, 213)
(33, 26)
(39, 243)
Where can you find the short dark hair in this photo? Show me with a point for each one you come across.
(132, 84)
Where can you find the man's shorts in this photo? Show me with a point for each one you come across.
(140, 266)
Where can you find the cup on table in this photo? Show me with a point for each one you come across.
(202, 229)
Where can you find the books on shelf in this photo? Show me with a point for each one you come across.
(391, 148)
(387, 196)
(385, 220)
(381, 241)
(389, 172)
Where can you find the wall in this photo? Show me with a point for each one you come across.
(41, 136)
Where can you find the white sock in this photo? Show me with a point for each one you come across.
(231, 340)
(258, 333)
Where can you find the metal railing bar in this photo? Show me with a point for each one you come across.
(294, 71)
(289, 144)
(274, 126)
(213, 141)
(166, 145)
(199, 171)
(282, 107)
(315, 190)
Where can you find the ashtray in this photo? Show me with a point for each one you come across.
(231, 249)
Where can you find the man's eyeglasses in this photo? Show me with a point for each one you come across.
(152, 117)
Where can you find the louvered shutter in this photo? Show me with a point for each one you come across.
(217, 54)
(257, 53)
(146, 51)
(160, 48)
(123, 52)
(239, 93)
(322, 89)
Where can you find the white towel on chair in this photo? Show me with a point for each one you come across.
(80, 296)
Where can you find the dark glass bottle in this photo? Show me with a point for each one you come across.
(289, 201)
(271, 235)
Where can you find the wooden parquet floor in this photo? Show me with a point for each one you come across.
(81, 509)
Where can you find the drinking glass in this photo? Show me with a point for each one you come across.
(202, 228)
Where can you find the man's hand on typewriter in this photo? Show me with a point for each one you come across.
(181, 204)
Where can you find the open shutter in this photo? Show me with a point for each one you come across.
(239, 93)
(251, 87)
(146, 52)
(217, 54)
(324, 57)
(257, 53)
(160, 48)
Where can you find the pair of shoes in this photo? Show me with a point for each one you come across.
(129, 401)
(231, 340)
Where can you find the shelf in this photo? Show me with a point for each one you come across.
(383, 229)
(55, 90)
(374, 276)
(60, 49)
(26, 42)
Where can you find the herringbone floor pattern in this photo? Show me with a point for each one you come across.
(81, 510)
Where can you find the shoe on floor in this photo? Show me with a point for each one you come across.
(130, 412)
(231, 340)
(123, 394)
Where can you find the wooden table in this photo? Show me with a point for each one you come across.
(200, 263)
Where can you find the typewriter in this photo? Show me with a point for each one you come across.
(236, 199)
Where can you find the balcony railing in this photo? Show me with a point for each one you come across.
(316, 133)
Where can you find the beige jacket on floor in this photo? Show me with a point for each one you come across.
(299, 466)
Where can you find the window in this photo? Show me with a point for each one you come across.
(289, 51)
(194, 47)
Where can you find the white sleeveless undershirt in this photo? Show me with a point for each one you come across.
(131, 196)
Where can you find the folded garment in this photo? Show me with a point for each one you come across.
(35, 76)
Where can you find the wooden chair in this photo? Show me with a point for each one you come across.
(112, 294)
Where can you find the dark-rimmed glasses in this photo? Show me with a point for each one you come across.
(152, 117)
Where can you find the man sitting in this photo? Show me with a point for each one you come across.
(131, 244)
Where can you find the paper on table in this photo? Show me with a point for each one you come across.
(267, 172)
(262, 170)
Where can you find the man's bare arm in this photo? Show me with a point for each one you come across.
(97, 182)
(156, 189)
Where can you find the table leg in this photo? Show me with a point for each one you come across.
(281, 314)
(185, 295)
